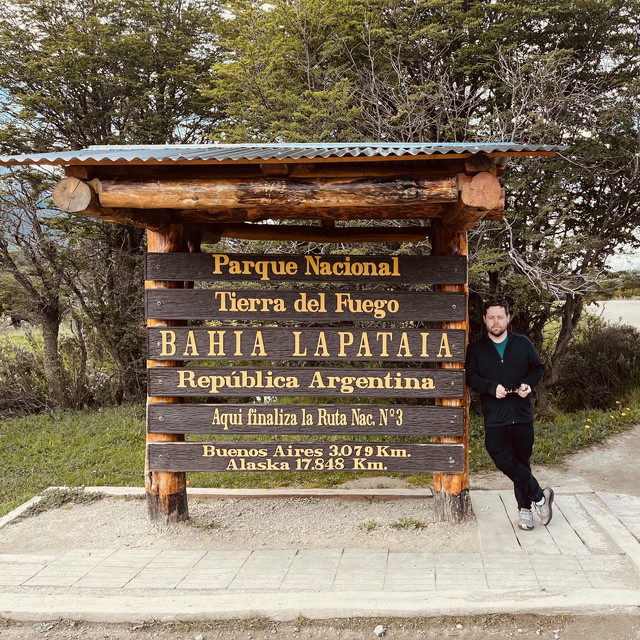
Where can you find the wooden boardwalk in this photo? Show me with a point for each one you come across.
(585, 523)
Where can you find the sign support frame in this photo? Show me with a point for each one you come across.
(166, 491)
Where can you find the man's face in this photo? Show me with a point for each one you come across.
(496, 319)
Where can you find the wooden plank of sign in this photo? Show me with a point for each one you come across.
(317, 419)
(319, 343)
(306, 381)
(303, 306)
(306, 456)
(307, 268)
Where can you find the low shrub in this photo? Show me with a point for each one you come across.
(88, 378)
(23, 387)
(601, 362)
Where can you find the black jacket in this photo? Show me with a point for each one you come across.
(485, 371)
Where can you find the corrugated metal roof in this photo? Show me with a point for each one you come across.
(232, 153)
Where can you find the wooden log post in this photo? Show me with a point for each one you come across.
(452, 502)
(166, 491)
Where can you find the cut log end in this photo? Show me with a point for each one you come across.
(72, 195)
(483, 192)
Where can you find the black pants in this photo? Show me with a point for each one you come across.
(510, 448)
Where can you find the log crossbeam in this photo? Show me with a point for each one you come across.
(460, 201)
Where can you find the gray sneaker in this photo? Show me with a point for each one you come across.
(525, 520)
(545, 511)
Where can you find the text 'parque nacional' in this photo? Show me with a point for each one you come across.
(313, 266)
(373, 269)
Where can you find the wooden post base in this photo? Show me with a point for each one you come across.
(452, 507)
(168, 508)
(166, 491)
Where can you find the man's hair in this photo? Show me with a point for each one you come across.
(496, 302)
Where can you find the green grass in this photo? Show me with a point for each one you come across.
(559, 434)
(73, 449)
(106, 447)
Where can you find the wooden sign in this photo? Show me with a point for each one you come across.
(306, 381)
(256, 330)
(321, 419)
(320, 343)
(310, 268)
(303, 306)
(305, 456)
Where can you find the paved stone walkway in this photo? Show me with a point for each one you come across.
(586, 561)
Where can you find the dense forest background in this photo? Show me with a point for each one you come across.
(88, 72)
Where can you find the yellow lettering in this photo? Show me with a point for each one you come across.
(424, 353)
(238, 335)
(346, 339)
(258, 346)
(317, 381)
(168, 343)
(216, 343)
(219, 261)
(262, 268)
(364, 349)
(385, 335)
(307, 304)
(313, 265)
(444, 346)
(404, 346)
(296, 343)
(184, 377)
(321, 347)
(191, 344)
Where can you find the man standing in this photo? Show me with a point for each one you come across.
(503, 367)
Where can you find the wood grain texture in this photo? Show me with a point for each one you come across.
(235, 342)
(451, 491)
(305, 381)
(203, 193)
(303, 306)
(320, 419)
(304, 456)
(299, 268)
(166, 492)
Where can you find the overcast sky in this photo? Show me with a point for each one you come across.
(625, 261)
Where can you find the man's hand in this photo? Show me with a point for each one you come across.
(524, 390)
(501, 392)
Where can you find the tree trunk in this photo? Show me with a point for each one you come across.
(53, 369)
(572, 311)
